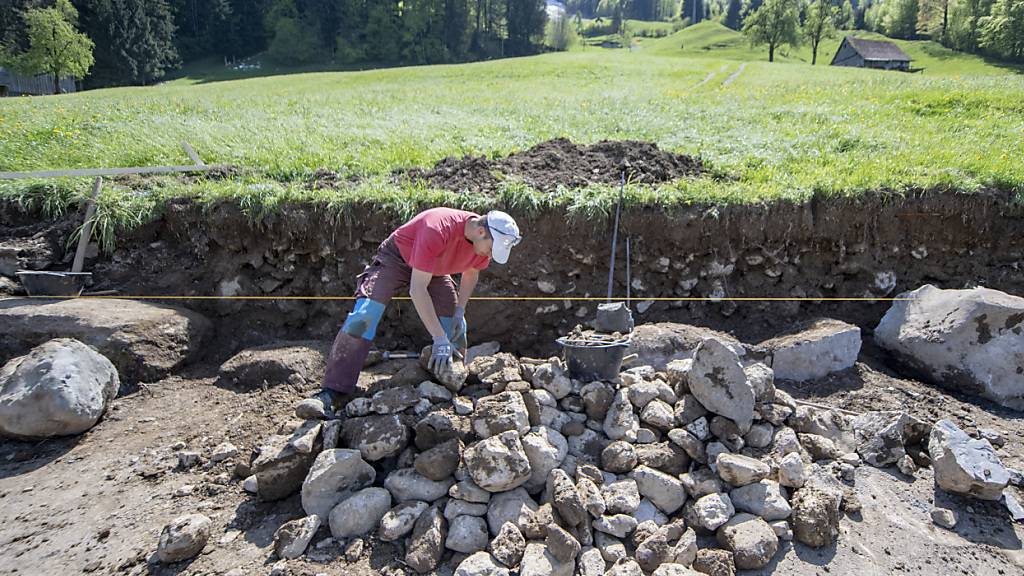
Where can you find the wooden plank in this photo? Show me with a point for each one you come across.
(192, 154)
(83, 240)
(93, 172)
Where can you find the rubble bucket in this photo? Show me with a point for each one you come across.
(44, 283)
(593, 361)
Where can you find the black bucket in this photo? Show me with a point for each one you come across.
(45, 283)
(594, 362)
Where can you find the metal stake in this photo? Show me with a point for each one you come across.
(615, 236)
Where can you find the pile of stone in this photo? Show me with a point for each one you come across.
(510, 464)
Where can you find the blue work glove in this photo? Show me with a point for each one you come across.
(459, 325)
(440, 354)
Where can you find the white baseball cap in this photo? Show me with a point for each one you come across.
(505, 233)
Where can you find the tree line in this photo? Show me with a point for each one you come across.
(988, 27)
(140, 41)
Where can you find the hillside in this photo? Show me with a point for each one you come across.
(783, 130)
(713, 40)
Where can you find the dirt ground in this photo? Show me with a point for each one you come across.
(559, 162)
(96, 503)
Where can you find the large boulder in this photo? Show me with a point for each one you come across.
(499, 413)
(751, 540)
(376, 437)
(719, 383)
(144, 341)
(60, 388)
(498, 463)
(335, 475)
(815, 517)
(967, 340)
(276, 363)
(965, 466)
(545, 448)
(426, 546)
(282, 463)
(407, 485)
(658, 344)
(360, 514)
(814, 351)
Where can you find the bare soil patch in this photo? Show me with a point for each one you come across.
(561, 163)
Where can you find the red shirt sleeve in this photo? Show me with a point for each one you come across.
(427, 248)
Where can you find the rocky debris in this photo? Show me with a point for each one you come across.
(740, 470)
(399, 521)
(292, 538)
(453, 377)
(334, 476)
(545, 449)
(944, 517)
(814, 351)
(619, 457)
(714, 562)
(441, 461)
(659, 344)
(625, 567)
(718, 382)
(514, 506)
(183, 538)
(407, 485)
(711, 511)
(143, 341)
(674, 570)
(815, 515)
(765, 499)
(562, 545)
(360, 513)
(426, 546)
(499, 413)
(967, 340)
(467, 534)
(508, 545)
(280, 468)
(299, 362)
(486, 349)
(439, 426)
(664, 490)
(628, 471)
(60, 388)
(613, 317)
(498, 463)
(565, 498)
(480, 564)
(751, 540)
(223, 451)
(792, 473)
(539, 561)
(965, 466)
(376, 437)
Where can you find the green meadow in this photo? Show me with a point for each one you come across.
(768, 130)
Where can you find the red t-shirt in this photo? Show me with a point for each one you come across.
(435, 241)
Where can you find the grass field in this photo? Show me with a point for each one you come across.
(783, 130)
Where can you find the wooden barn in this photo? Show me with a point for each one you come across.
(12, 84)
(871, 54)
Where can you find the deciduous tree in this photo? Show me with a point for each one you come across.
(775, 23)
(56, 47)
(819, 23)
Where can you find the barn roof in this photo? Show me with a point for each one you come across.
(877, 50)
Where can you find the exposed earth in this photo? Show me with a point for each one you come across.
(96, 503)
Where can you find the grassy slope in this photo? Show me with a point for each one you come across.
(712, 40)
(783, 129)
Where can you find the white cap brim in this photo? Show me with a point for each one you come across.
(501, 249)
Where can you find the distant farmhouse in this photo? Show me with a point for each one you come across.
(871, 54)
(12, 84)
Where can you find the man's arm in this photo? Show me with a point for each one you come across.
(467, 282)
(424, 305)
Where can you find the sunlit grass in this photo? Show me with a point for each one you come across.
(784, 130)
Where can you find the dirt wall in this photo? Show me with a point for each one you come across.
(872, 246)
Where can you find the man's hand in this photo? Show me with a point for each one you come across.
(440, 354)
(458, 324)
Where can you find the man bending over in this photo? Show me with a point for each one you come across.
(420, 256)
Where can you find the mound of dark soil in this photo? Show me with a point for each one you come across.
(559, 162)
